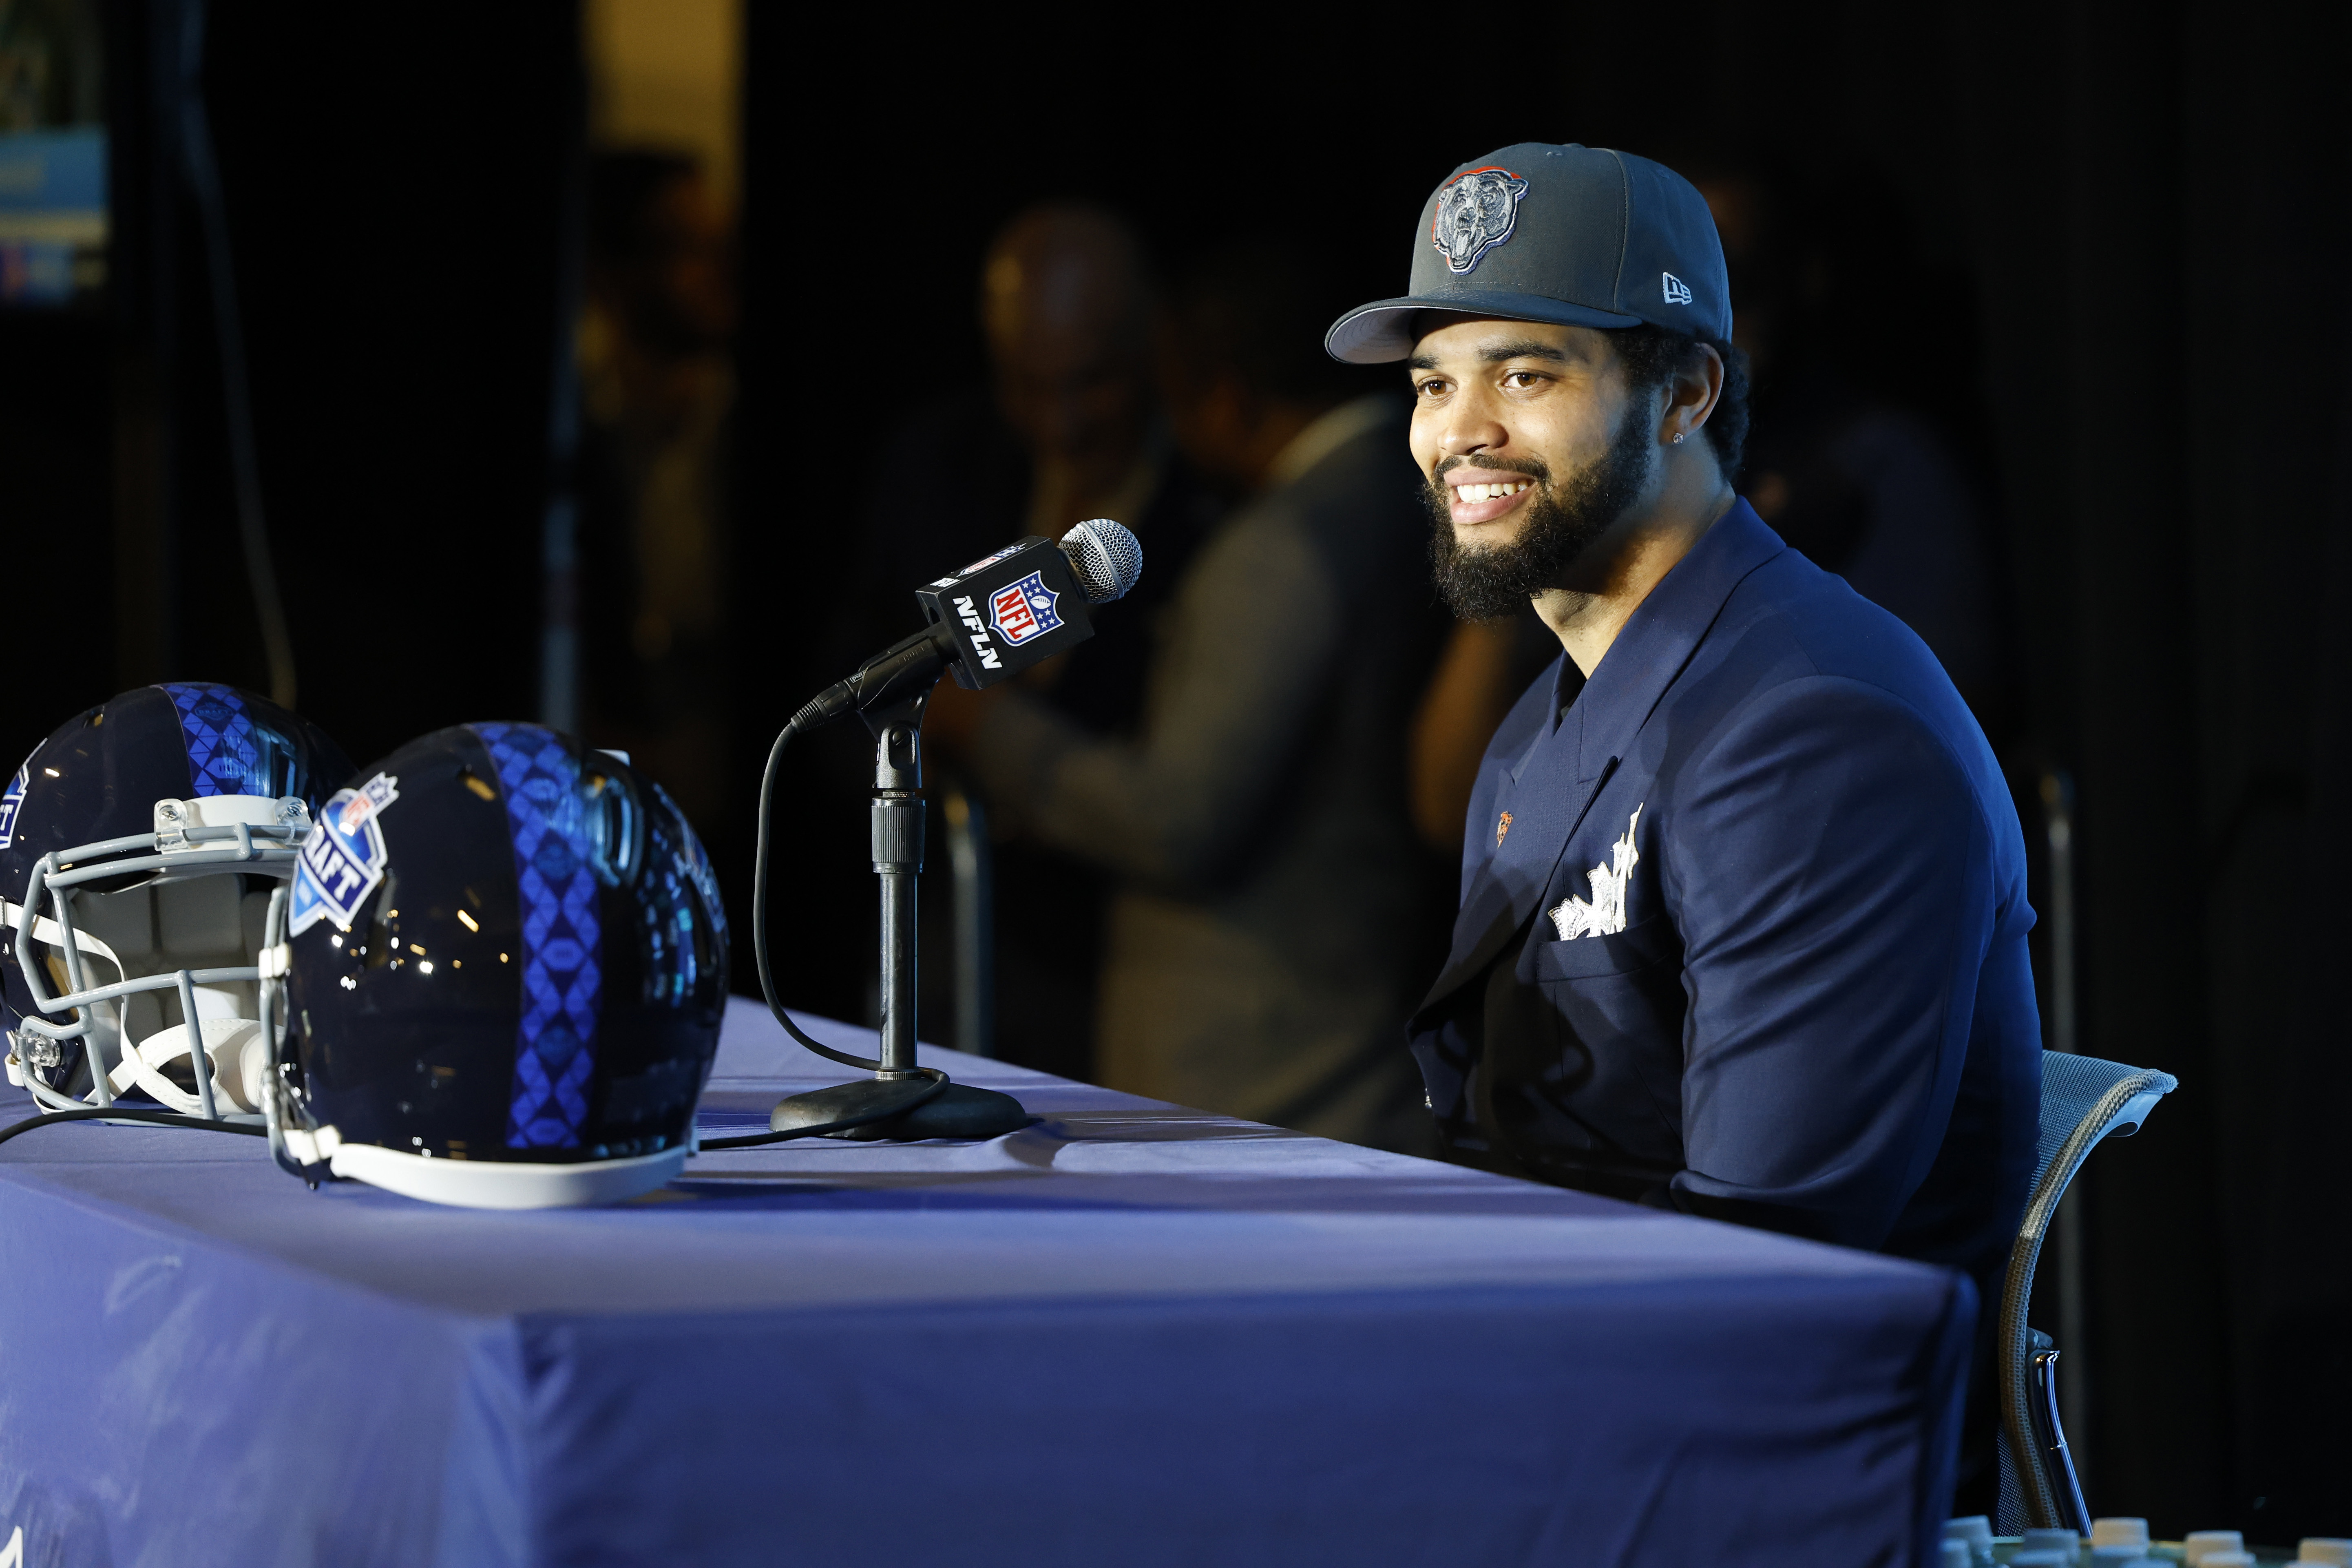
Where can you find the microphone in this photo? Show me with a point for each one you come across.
(995, 618)
(1106, 558)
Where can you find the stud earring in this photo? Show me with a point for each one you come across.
(1678, 440)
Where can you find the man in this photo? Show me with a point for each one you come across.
(1270, 884)
(1743, 918)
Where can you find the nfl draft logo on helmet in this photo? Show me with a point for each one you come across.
(1023, 610)
(1476, 212)
(11, 803)
(342, 860)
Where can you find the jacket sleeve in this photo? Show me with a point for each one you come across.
(1254, 634)
(1832, 873)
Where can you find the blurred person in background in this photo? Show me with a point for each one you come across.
(659, 395)
(1069, 428)
(1269, 929)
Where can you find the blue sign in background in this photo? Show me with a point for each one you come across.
(52, 214)
(53, 170)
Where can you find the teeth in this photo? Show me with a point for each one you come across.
(1469, 493)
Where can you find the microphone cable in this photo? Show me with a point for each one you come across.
(814, 711)
(131, 1113)
(257, 1129)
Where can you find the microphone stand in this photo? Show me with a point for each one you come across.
(937, 1108)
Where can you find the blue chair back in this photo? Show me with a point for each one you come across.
(2084, 1099)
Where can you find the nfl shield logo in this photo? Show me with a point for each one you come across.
(1023, 610)
(342, 860)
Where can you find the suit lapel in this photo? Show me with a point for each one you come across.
(1504, 898)
(1551, 787)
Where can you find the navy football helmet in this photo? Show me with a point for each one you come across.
(505, 965)
(139, 845)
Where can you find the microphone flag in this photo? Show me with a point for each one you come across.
(1008, 611)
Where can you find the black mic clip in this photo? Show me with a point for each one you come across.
(891, 687)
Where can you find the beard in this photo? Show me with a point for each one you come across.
(1490, 583)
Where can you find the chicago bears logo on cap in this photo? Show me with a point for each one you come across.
(1476, 212)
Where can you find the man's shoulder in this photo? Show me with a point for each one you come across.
(1790, 621)
(1800, 679)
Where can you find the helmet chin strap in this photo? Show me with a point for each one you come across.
(229, 1044)
(44, 930)
(17, 918)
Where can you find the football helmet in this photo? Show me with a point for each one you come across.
(138, 845)
(504, 967)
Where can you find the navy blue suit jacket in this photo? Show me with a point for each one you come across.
(1795, 991)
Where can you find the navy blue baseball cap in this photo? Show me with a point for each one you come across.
(1584, 237)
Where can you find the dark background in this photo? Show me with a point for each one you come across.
(2115, 270)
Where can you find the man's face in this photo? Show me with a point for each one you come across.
(1073, 370)
(1531, 446)
(680, 295)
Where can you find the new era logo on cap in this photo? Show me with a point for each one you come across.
(1677, 292)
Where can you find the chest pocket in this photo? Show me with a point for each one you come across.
(1615, 1007)
(1637, 947)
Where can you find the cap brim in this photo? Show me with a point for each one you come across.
(1383, 330)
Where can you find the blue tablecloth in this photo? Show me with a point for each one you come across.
(1131, 1334)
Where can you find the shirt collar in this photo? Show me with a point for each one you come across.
(1659, 637)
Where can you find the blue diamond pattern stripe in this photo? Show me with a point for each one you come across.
(224, 756)
(562, 954)
(697, 862)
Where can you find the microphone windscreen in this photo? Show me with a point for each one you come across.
(1104, 557)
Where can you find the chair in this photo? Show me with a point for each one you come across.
(2084, 1099)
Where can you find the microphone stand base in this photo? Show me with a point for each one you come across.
(959, 1111)
(876, 1097)
(932, 1110)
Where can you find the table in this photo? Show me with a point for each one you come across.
(1131, 1334)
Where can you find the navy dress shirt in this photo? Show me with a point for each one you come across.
(1743, 926)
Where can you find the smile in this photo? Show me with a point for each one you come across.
(1495, 494)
